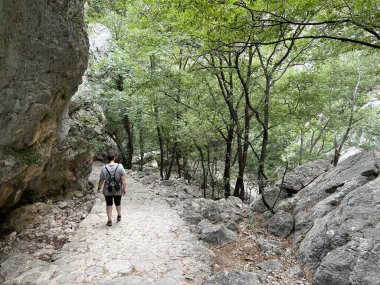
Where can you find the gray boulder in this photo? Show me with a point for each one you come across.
(337, 223)
(235, 277)
(42, 60)
(28, 215)
(229, 212)
(295, 271)
(270, 247)
(169, 183)
(212, 212)
(280, 224)
(270, 265)
(272, 195)
(215, 234)
(302, 176)
(16, 264)
(357, 262)
(150, 179)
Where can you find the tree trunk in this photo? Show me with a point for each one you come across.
(204, 178)
(227, 161)
(242, 151)
(123, 159)
(209, 170)
(350, 123)
(264, 144)
(142, 148)
(169, 170)
(186, 174)
(179, 167)
(129, 129)
(160, 142)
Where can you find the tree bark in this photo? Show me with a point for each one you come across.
(160, 142)
(204, 172)
(350, 123)
(130, 149)
(227, 161)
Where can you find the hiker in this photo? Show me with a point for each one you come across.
(113, 181)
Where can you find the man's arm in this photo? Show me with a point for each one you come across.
(100, 184)
(124, 181)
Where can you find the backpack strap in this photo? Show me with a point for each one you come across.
(110, 175)
(110, 172)
(115, 173)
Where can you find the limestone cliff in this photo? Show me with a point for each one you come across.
(43, 54)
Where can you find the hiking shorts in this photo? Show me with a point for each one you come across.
(111, 199)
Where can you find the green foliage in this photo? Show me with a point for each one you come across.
(29, 157)
(165, 57)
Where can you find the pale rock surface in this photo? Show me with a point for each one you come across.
(270, 247)
(43, 54)
(151, 245)
(337, 221)
(270, 265)
(303, 175)
(70, 163)
(273, 196)
(235, 277)
(24, 216)
(280, 224)
(215, 234)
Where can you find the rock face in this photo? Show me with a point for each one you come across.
(302, 176)
(337, 227)
(235, 277)
(43, 54)
(294, 181)
(70, 163)
(273, 196)
(215, 234)
(280, 224)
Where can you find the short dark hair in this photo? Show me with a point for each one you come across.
(110, 157)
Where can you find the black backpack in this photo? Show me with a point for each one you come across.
(113, 185)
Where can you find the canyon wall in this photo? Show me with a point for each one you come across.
(43, 54)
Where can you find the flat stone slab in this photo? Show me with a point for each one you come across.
(151, 245)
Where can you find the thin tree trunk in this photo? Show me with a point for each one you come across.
(211, 175)
(186, 174)
(264, 144)
(339, 146)
(227, 161)
(142, 149)
(130, 149)
(160, 142)
(169, 170)
(204, 178)
(179, 167)
(119, 145)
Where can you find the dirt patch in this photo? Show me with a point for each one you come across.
(245, 254)
(44, 236)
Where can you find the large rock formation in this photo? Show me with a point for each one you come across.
(70, 162)
(302, 176)
(295, 180)
(337, 223)
(43, 54)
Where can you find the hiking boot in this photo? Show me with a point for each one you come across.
(118, 218)
(109, 223)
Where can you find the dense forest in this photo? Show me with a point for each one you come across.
(232, 94)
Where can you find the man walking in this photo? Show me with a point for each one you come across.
(113, 181)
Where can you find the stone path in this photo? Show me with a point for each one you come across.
(151, 245)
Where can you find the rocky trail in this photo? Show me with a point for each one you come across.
(156, 243)
(151, 245)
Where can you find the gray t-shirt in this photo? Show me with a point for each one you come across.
(120, 171)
